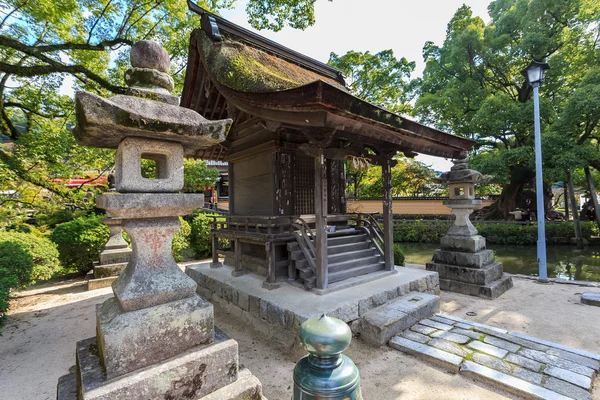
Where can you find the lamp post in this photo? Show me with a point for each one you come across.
(534, 74)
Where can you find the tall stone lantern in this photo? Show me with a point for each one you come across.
(156, 337)
(463, 262)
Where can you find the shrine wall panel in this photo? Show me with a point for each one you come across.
(253, 185)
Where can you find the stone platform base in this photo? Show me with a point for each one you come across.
(489, 291)
(104, 275)
(279, 313)
(523, 365)
(200, 373)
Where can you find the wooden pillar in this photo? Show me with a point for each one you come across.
(231, 189)
(575, 212)
(237, 248)
(321, 219)
(271, 282)
(566, 196)
(215, 249)
(590, 182)
(388, 218)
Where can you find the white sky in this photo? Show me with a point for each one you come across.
(401, 25)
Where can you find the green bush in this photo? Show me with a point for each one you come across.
(27, 258)
(398, 255)
(80, 242)
(200, 236)
(496, 233)
(181, 240)
(24, 258)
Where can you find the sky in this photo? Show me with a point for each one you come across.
(374, 25)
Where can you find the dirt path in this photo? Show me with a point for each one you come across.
(45, 321)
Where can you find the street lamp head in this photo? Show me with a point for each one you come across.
(534, 72)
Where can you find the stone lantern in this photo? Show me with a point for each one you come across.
(155, 339)
(463, 262)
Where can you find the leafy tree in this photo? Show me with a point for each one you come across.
(42, 43)
(472, 87)
(380, 78)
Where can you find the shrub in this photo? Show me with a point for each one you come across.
(181, 240)
(27, 258)
(23, 259)
(398, 255)
(200, 235)
(80, 242)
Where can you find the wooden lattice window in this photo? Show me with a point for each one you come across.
(304, 178)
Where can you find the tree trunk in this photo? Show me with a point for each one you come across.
(578, 235)
(590, 182)
(566, 196)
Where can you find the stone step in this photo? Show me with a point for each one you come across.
(350, 255)
(67, 387)
(379, 325)
(478, 276)
(247, 387)
(354, 238)
(352, 263)
(491, 291)
(428, 353)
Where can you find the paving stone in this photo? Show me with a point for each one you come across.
(463, 326)
(415, 337)
(510, 338)
(562, 387)
(439, 318)
(524, 362)
(465, 332)
(549, 344)
(568, 376)
(472, 324)
(450, 347)
(489, 349)
(436, 325)
(588, 362)
(425, 330)
(439, 357)
(451, 336)
(591, 298)
(508, 382)
(527, 375)
(492, 362)
(503, 344)
(557, 362)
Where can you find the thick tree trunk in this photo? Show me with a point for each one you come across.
(578, 235)
(590, 182)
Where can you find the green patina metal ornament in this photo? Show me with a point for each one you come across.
(325, 373)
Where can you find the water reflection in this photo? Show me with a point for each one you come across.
(564, 262)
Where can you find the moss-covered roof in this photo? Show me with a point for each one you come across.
(248, 69)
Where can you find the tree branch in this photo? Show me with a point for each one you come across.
(12, 12)
(96, 22)
(28, 109)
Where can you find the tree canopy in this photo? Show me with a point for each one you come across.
(472, 86)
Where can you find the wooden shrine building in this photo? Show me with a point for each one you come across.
(294, 125)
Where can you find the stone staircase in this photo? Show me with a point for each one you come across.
(350, 253)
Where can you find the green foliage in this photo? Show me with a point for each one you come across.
(380, 78)
(472, 86)
(398, 255)
(200, 240)
(197, 175)
(181, 240)
(495, 233)
(80, 242)
(27, 257)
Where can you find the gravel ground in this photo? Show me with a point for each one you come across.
(46, 320)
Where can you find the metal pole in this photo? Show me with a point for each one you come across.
(539, 188)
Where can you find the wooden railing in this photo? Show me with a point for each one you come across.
(368, 222)
(306, 240)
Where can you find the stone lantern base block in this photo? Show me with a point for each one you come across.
(193, 374)
(476, 276)
(491, 291)
(472, 244)
(104, 271)
(132, 340)
(114, 256)
(464, 259)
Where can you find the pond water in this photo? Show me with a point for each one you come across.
(564, 262)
